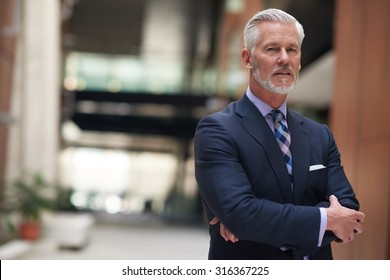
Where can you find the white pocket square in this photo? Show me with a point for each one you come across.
(316, 167)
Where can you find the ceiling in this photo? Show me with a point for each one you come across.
(132, 27)
(117, 26)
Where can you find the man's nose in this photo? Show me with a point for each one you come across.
(283, 58)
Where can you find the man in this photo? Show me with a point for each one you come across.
(270, 179)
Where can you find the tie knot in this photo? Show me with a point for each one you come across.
(277, 115)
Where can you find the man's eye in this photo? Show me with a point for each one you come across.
(292, 50)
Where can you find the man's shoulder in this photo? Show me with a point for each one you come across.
(224, 113)
(238, 108)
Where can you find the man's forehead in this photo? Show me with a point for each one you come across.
(270, 31)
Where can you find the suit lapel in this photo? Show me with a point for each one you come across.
(300, 149)
(255, 124)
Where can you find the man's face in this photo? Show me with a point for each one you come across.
(277, 57)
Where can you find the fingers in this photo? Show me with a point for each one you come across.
(350, 236)
(334, 201)
(358, 228)
(232, 238)
(344, 222)
(360, 216)
(223, 232)
(226, 234)
(358, 225)
(214, 221)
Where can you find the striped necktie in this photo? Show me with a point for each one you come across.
(282, 135)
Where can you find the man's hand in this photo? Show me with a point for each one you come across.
(225, 233)
(344, 222)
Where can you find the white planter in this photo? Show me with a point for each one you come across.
(72, 230)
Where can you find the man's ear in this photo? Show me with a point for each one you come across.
(247, 58)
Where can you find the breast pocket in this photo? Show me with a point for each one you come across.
(318, 182)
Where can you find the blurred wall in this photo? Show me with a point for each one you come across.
(360, 118)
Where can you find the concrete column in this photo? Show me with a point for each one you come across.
(33, 143)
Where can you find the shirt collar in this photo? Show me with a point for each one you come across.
(263, 107)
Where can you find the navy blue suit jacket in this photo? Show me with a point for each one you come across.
(243, 181)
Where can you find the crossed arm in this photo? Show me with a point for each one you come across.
(345, 223)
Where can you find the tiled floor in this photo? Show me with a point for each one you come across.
(117, 242)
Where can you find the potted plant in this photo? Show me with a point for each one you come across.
(30, 196)
(72, 226)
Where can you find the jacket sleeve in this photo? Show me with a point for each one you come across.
(337, 184)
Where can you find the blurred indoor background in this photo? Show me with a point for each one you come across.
(100, 99)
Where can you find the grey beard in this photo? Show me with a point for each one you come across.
(268, 85)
